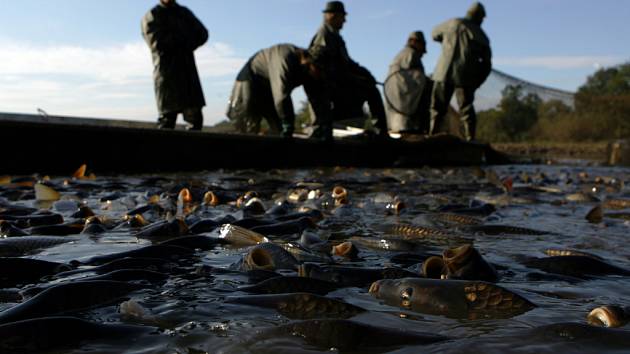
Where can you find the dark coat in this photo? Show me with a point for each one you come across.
(329, 52)
(276, 70)
(173, 33)
(466, 59)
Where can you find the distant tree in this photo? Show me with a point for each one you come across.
(604, 101)
(516, 114)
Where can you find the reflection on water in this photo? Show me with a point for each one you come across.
(189, 308)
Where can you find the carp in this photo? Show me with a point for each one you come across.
(50, 333)
(351, 276)
(279, 285)
(451, 298)
(20, 246)
(575, 266)
(609, 316)
(157, 251)
(300, 305)
(347, 335)
(268, 256)
(69, 298)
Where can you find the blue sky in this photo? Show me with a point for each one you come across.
(87, 57)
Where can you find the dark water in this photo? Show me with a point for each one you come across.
(192, 317)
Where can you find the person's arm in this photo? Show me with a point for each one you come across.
(198, 32)
(157, 36)
(439, 30)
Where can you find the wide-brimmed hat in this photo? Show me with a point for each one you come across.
(335, 7)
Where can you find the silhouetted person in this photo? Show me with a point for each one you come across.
(263, 89)
(408, 90)
(464, 65)
(173, 33)
(345, 85)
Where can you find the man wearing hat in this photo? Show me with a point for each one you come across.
(464, 65)
(173, 33)
(408, 90)
(345, 85)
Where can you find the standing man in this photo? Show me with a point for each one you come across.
(173, 33)
(263, 89)
(464, 65)
(345, 84)
(408, 90)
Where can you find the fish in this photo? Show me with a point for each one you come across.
(164, 229)
(33, 220)
(453, 219)
(609, 316)
(460, 299)
(351, 276)
(466, 263)
(566, 252)
(240, 236)
(69, 298)
(195, 242)
(616, 204)
(289, 284)
(300, 305)
(421, 233)
(7, 229)
(20, 246)
(57, 230)
(25, 270)
(161, 251)
(283, 228)
(303, 254)
(268, 256)
(504, 229)
(154, 264)
(347, 335)
(56, 333)
(386, 244)
(575, 266)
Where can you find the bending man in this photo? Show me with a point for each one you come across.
(464, 65)
(173, 33)
(263, 89)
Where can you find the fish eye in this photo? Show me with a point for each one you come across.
(406, 294)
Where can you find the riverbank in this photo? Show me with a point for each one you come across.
(591, 152)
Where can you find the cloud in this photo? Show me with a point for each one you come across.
(560, 62)
(111, 81)
(382, 15)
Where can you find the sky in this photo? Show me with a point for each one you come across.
(87, 58)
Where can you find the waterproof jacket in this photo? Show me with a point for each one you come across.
(173, 33)
(277, 69)
(329, 52)
(466, 58)
(403, 90)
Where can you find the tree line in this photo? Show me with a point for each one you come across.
(601, 112)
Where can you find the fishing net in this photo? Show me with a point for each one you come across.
(489, 94)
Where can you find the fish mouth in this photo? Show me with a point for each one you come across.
(606, 316)
(433, 267)
(345, 249)
(455, 257)
(339, 193)
(260, 259)
(210, 199)
(374, 288)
